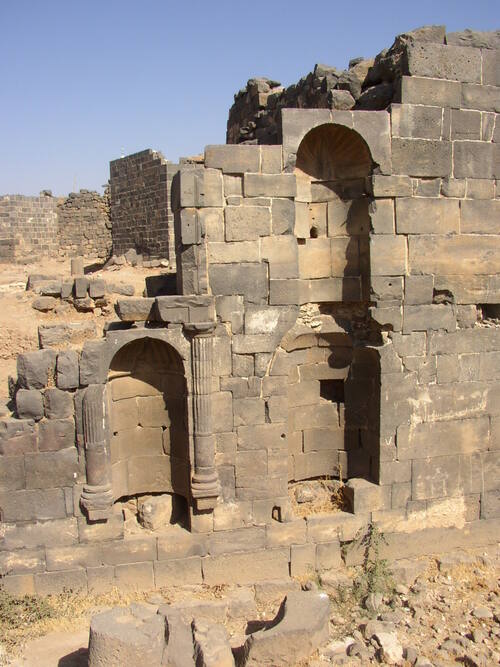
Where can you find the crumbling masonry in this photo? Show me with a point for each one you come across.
(337, 315)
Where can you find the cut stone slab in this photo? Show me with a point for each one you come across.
(131, 636)
(180, 649)
(300, 627)
(212, 645)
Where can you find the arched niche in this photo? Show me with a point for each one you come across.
(148, 424)
(332, 166)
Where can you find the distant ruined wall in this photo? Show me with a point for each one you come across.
(367, 84)
(50, 226)
(28, 226)
(140, 205)
(84, 224)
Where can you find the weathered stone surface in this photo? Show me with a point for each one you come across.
(427, 215)
(421, 157)
(303, 628)
(247, 223)
(58, 403)
(136, 309)
(233, 159)
(35, 368)
(29, 404)
(73, 333)
(127, 637)
(212, 648)
(68, 372)
(449, 62)
(44, 303)
(269, 185)
(248, 280)
(56, 434)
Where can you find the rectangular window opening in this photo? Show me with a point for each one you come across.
(332, 390)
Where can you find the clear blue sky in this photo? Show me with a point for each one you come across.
(83, 79)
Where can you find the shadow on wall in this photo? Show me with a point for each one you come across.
(149, 439)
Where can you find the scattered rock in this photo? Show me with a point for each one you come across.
(44, 303)
(155, 512)
(391, 650)
(482, 612)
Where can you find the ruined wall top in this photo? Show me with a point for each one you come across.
(367, 84)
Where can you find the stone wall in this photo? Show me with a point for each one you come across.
(84, 225)
(31, 227)
(368, 83)
(140, 205)
(28, 226)
(337, 317)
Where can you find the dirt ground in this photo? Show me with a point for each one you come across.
(19, 322)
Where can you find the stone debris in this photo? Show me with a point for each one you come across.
(300, 627)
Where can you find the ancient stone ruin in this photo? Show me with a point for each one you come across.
(335, 322)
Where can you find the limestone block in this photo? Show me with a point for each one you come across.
(303, 628)
(261, 436)
(314, 259)
(233, 159)
(484, 98)
(480, 188)
(71, 557)
(67, 370)
(58, 404)
(302, 560)
(17, 436)
(345, 260)
(315, 464)
(348, 218)
(428, 317)
(12, 475)
(387, 288)
(491, 67)
(138, 309)
(476, 159)
(390, 186)
(409, 120)
(436, 477)
(282, 254)
(56, 434)
(246, 279)
(439, 61)
(269, 185)
(327, 439)
(58, 335)
(50, 469)
(388, 255)
(29, 404)
(441, 255)
(247, 223)
(148, 411)
(283, 216)
(92, 369)
(60, 532)
(178, 543)
(426, 215)
(422, 157)
(454, 437)
(33, 505)
(433, 91)
(97, 288)
(212, 648)
(271, 160)
(246, 568)
(381, 213)
(81, 286)
(480, 216)
(125, 414)
(35, 368)
(229, 253)
(170, 572)
(418, 290)
(127, 637)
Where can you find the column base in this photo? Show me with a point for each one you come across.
(97, 501)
